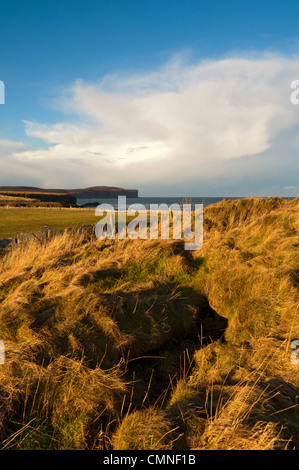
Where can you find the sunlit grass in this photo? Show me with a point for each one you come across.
(104, 347)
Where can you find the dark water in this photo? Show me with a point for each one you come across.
(146, 201)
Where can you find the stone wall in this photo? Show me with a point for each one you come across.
(46, 233)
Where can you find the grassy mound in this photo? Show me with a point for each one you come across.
(246, 388)
(36, 199)
(109, 344)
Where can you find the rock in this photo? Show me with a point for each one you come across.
(24, 238)
(5, 242)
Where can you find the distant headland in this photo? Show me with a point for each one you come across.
(28, 196)
(83, 193)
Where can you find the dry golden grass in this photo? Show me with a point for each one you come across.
(249, 275)
(97, 334)
(148, 429)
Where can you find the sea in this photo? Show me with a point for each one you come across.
(146, 201)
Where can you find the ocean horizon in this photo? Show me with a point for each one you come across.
(146, 201)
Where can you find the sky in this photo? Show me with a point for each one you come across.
(170, 97)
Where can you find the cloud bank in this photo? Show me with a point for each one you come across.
(216, 127)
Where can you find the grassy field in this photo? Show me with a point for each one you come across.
(6, 198)
(14, 220)
(114, 344)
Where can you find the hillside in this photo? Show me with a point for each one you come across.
(36, 199)
(141, 345)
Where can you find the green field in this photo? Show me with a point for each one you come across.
(14, 220)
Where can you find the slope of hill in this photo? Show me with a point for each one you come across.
(138, 344)
(36, 199)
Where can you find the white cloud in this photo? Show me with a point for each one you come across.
(219, 119)
(7, 147)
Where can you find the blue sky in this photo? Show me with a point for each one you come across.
(95, 89)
